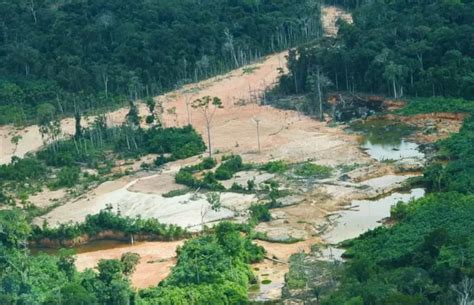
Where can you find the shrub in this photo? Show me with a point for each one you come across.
(22, 170)
(210, 182)
(229, 167)
(67, 177)
(185, 178)
(275, 167)
(161, 160)
(313, 170)
(399, 211)
(175, 193)
(260, 213)
(129, 262)
(180, 142)
(208, 163)
(105, 220)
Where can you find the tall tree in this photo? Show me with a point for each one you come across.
(208, 107)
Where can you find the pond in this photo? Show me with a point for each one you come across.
(400, 151)
(386, 140)
(361, 216)
(382, 131)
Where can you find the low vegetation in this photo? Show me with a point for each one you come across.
(210, 180)
(229, 167)
(437, 104)
(61, 163)
(260, 213)
(275, 167)
(458, 150)
(425, 257)
(106, 221)
(176, 193)
(212, 269)
(311, 170)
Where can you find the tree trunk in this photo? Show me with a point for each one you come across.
(394, 88)
(208, 127)
(321, 116)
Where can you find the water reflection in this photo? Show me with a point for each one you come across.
(363, 215)
(402, 150)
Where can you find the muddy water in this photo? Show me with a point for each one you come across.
(385, 140)
(92, 246)
(361, 216)
(382, 140)
(403, 150)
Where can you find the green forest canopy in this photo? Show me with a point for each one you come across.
(81, 54)
(415, 48)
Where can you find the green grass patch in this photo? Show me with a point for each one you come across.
(313, 170)
(275, 167)
(176, 193)
(250, 70)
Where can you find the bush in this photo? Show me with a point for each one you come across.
(313, 170)
(210, 182)
(208, 163)
(176, 193)
(186, 178)
(399, 211)
(23, 170)
(211, 269)
(181, 143)
(229, 167)
(260, 213)
(67, 177)
(275, 167)
(161, 160)
(105, 220)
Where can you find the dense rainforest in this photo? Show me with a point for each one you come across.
(70, 55)
(427, 256)
(394, 48)
(420, 51)
(84, 55)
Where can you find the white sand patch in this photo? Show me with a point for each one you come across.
(187, 211)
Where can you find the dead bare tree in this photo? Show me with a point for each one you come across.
(32, 7)
(318, 82)
(465, 291)
(214, 204)
(208, 107)
(257, 121)
(230, 45)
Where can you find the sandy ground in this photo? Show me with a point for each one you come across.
(275, 266)
(188, 211)
(156, 260)
(330, 16)
(283, 135)
(240, 92)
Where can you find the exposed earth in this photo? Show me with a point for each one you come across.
(284, 135)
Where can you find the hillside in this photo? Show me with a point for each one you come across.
(210, 152)
(88, 55)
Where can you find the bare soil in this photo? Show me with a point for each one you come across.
(285, 135)
(156, 260)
